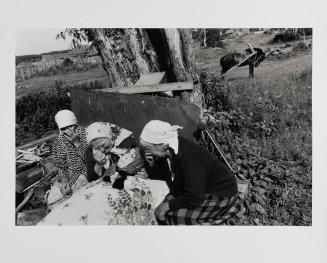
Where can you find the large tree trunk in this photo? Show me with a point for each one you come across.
(127, 53)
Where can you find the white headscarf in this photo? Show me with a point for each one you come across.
(65, 118)
(158, 132)
(105, 130)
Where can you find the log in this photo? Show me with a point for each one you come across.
(27, 197)
(179, 86)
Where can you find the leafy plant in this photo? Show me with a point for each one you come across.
(35, 112)
(267, 140)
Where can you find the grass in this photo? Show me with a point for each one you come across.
(272, 114)
(75, 78)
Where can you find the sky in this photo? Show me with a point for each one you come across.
(39, 40)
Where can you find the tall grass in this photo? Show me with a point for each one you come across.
(265, 126)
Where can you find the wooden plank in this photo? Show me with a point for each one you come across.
(152, 88)
(41, 140)
(251, 48)
(151, 79)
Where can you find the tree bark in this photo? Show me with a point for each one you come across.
(127, 53)
(204, 38)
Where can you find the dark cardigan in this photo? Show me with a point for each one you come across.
(195, 172)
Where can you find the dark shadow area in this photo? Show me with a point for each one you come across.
(160, 46)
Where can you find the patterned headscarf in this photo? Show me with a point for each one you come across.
(98, 130)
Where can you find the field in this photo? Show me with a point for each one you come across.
(264, 125)
(43, 83)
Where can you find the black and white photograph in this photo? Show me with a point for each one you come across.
(163, 131)
(164, 126)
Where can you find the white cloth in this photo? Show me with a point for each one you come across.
(65, 118)
(99, 204)
(158, 132)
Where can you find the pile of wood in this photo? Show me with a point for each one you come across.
(34, 174)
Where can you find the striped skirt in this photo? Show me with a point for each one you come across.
(215, 210)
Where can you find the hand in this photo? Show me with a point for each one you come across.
(149, 157)
(142, 174)
(71, 135)
(99, 157)
(161, 211)
(65, 188)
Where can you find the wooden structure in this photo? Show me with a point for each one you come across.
(127, 108)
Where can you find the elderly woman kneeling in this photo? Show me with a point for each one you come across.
(202, 190)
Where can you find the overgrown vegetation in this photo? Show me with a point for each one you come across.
(267, 137)
(213, 37)
(286, 36)
(35, 112)
(298, 48)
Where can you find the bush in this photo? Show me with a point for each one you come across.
(213, 37)
(287, 36)
(35, 112)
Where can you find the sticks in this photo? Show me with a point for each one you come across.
(27, 197)
(217, 148)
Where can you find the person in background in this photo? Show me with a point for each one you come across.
(69, 154)
(202, 189)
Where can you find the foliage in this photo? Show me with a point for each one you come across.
(214, 39)
(286, 36)
(266, 135)
(35, 112)
(298, 48)
(305, 31)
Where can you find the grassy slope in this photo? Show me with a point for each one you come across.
(277, 99)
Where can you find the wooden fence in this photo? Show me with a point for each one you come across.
(27, 71)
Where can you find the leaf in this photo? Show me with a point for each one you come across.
(258, 208)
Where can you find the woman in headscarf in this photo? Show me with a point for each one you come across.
(109, 147)
(69, 154)
(99, 202)
(202, 190)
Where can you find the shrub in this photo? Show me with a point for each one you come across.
(214, 39)
(35, 112)
(286, 36)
